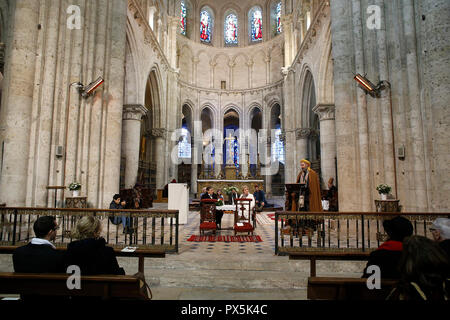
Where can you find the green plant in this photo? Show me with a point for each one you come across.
(383, 189)
(228, 190)
(74, 186)
(219, 203)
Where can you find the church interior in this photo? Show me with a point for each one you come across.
(334, 109)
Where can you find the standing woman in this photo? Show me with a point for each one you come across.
(90, 252)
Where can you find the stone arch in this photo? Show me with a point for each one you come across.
(154, 85)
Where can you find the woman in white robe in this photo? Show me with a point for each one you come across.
(246, 195)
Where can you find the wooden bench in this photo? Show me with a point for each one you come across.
(332, 288)
(313, 256)
(104, 286)
(139, 253)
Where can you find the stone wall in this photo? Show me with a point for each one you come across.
(410, 51)
(36, 117)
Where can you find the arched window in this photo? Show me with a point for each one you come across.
(255, 24)
(231, 29)
(278, 18)
(183, 17)
(184, 146)
(278, 146)
(206, 25)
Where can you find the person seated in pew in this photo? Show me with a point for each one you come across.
(388, 254)
(425, 272)
(219, 213)
(260, 199)
(90, 252)
(40, 255)
(440, 230)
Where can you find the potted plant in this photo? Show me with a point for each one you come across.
(219, 203)
(75, 187)
(384, 190)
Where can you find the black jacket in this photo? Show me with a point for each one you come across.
(387, 257)
(114, 205)
(93, 257)
(445, 245)
(38, 258)
(206, 196)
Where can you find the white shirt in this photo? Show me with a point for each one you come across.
(252, 203)
(40, 241)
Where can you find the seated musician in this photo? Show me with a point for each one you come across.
(211, 195)
(246, 195)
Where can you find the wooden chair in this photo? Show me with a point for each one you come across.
(208, 215)
(243, 205)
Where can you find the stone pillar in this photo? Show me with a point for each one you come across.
(289, 54)
(159, 135)
(212, 65)
(302, 136)
(172, 38)
(267, 61)
(327, 140)
(250, 73)
(15, 115)
(231, 65)
(151, 16)
(268, 177)
(131, 135)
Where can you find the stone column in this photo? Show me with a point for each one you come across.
(268, 177)
(250, 73)
(267, 61)
(172, 37)
(131, 135)
(195, 61)
(15, 115)
(151, 16)
(212, 65)
(289, 54)
(159, 135)
(231, 65)
(327, 140)
(302, 136)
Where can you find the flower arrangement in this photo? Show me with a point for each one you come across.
(228, 190)
(383, 189)
(74, 186)
(219, 203)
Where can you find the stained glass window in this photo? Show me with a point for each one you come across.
(184, 146)
(183, 18)
(231, 29)
(278, 17)
(256, 24)
(205, 26)
(278, 146)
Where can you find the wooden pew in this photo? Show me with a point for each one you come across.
(332, 288)
(313, 256)
(138, 253)
(104, 286)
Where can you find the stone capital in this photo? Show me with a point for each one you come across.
(285, 19)
(158, 132)
(133, 111)
(324, 111)
(302, 133)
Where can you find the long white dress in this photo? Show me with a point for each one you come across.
(252, 205)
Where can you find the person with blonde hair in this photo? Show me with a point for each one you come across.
(246, 195)
(90, 252)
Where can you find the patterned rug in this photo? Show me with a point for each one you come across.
(212, 238)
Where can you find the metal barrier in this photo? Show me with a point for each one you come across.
(150, 228)
(340, 231)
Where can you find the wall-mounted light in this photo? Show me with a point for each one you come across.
(369, 87)
(87, 90)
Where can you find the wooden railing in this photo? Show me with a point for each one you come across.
(340, 231)
(152, 229)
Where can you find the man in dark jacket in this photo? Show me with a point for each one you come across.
(260, 199)
(211, 195)
(40, 255)
(387, 256)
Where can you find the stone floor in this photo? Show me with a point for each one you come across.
(227, 270)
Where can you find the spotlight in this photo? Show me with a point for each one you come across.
(368, 86)
(87, 90)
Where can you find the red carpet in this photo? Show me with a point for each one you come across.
(197, 238)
